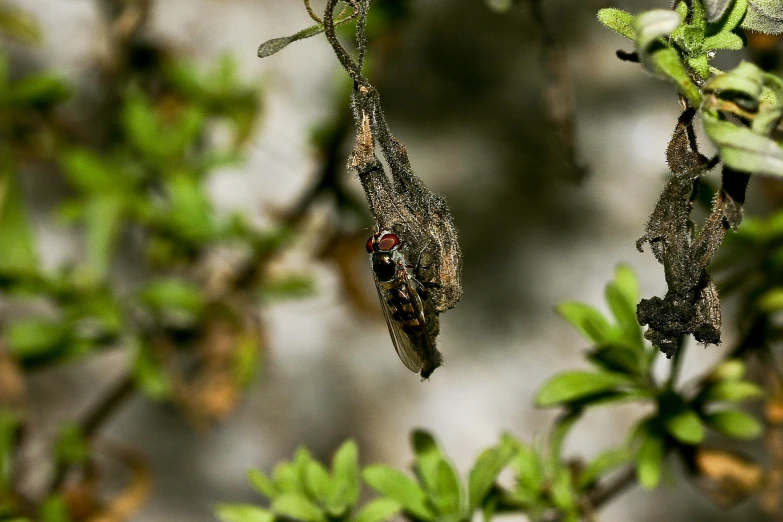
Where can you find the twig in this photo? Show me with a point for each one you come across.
(96, 417)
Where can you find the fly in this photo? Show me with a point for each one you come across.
(401, 301)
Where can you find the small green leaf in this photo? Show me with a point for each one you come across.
(344, 487)
(287, 478)
(745, 81)
(10, 424)
(618, 21)
(563, 495)
(731, 370)
(716, 9)
(528, 467)
(173, 293)
(604, 463)
(71, 446)
(297, 507)
(398, 486)
(378, 510)
(618, 358)
(243, 513)
(733, 18)
(262, 483)
(684, 424)
(730, 41)
(486, 470)
(54, 509)
(734, 423)
(446, 494)
(772, 300)
(40, 92)
(37, 338)
(148, 372)
(649, 458)
(18, 250)
(572, 385)
(732, 391)
(742, 149)
(589, 321)
(317, 481)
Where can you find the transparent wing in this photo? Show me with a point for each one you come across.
(416, 350)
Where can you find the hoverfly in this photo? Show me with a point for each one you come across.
(401, 301)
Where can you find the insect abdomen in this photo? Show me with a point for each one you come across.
(404, 312)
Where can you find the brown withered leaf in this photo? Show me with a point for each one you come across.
(129, 500)
(12, 383)
(725, 477)
(691, 304)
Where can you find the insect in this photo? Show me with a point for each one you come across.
(403, 303)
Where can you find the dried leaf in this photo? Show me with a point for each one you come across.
(725, 477)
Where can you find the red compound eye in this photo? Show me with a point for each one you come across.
(388, 242)
(369, 245)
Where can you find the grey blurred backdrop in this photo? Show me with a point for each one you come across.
(463, 90)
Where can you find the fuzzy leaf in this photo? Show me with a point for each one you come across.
(572, 385)
(275, 45)
(764, 16)
(741, 149)
(618, 21)
(730, 41)
(716, 9)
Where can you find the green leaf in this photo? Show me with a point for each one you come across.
(446, 494)
(37, 338)
(563, 495)
(378, 510)
(142, 126)
(730, 41)
(10, 424)
(665, 61)
(627, 284)
(17, 249)
(173, 293)
(71, 446)
(243, 513)
(736, 424)
(741, 149)
(398, 486)
(344, 488)
(680, 420)
(620, 358)
(649, 458)
(731, 370)
(528, 467)
(573, 385)
(54, 509)
(771, 301)
(148, 372)
(716, 9)
(745, 81)
(732, 391)
(190, 212)
(486, 470)
(625, 311)
(618, 21)
(317, 481)
(262, 483)
(604, 463)
(589, 321)
(103, 215)
(731, 20)
(42, 91)
(89, 172)
(764, 16)
(428, 457)
(297, 507)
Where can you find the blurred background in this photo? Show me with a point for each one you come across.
(463, 87)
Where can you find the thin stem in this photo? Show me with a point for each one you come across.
(674, 373)
(345, 59)
(312, 14)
